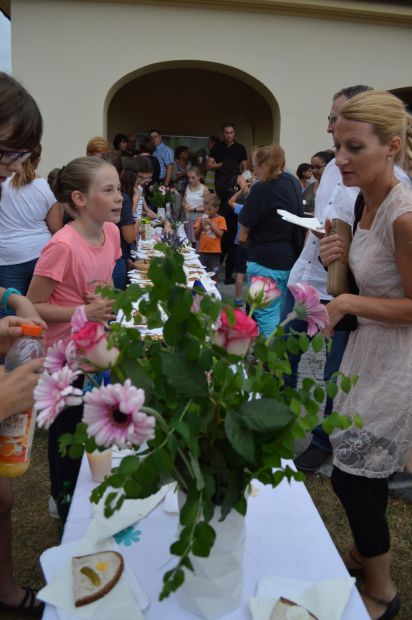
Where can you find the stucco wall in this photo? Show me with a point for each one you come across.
(70, 54)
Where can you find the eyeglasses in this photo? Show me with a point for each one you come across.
(10, 157)
(318, 167)
(332, 118)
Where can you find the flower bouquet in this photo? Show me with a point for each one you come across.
(208, 401)
(159, 196)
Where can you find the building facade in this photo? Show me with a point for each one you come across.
(186, 66)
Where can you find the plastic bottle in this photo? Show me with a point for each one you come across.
(16, 432)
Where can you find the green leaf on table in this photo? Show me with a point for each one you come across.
(184, 375)
(240, 437)
(265, 414)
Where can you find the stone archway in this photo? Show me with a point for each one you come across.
(193, 99)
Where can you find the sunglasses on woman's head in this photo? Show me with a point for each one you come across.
(10, 157)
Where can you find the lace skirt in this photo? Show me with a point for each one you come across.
(381, 355)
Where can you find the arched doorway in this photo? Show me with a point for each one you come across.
(188, 98)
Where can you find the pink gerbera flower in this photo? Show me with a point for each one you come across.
(59, 355)
(55, 392)
(308, 307)
(112, 414)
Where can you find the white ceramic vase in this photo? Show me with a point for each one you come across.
(215, 588)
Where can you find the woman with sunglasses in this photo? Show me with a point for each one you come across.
(20, 131)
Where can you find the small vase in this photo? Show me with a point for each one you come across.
(215, 587)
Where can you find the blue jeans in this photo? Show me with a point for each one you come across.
(332, 364)
(17, 276)
(269, 317)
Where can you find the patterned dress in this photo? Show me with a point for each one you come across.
(380, 354)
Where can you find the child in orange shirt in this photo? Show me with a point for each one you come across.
(209, 230)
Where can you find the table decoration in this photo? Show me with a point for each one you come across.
(209, 398)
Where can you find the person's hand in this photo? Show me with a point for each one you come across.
(331, 247)
(188, 209)
(336, 311)
(99, 309)
(10, 330)
(16, 388)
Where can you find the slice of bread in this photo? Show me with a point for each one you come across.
(94, 575)
(287, 610)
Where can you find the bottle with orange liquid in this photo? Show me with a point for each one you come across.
(16, 432)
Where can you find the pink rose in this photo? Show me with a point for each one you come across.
(91, 342)
(262, 291)
(237, 338)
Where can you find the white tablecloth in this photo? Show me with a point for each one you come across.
(285, 537)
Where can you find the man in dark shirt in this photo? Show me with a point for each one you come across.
(228, 149)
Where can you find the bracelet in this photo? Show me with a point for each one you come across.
(5, 298)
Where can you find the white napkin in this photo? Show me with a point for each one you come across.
(132, 510)
(326, 599)
(119, 603)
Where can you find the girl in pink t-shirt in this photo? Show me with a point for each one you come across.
(78, 258)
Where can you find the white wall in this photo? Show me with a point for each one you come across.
(70, 54)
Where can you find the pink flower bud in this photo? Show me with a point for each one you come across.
(262, 291)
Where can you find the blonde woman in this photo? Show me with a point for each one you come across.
(372, 133)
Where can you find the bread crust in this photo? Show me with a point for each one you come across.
(109, 585)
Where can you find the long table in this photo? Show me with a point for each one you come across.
(285, 537)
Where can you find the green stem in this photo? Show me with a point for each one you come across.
(252, 310)
(158, 417)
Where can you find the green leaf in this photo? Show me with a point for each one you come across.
(317, 343)
(162, 460)
(318, 394)
(293, 345)
(265, 414)
(131, 369)
(204, 537)
(358, 421)
(76, 451)
(179, 547)
(189, 512)
(303, 342)
(129, 465)
(345, 384)
(240, 437)
(184, 375)
(331, 389)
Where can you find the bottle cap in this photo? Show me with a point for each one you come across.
(31, 330)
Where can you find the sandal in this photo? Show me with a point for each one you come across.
(27, 605)
(392, 608)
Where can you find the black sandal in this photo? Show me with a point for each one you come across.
(392, 608)
(27, 606)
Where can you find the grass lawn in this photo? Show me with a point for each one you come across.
(34, 531)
